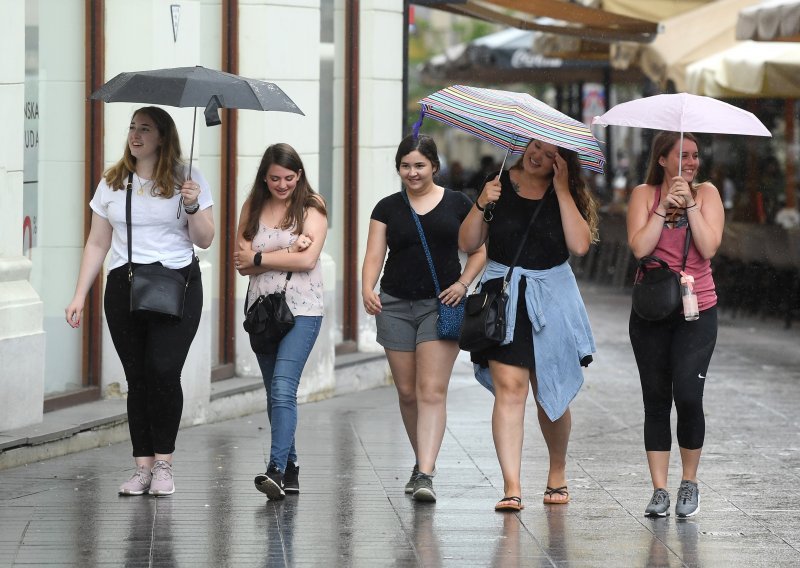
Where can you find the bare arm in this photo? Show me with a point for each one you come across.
(94, 253)
(372, 266)
(474, 230)
(644, 229)
(297, 258)
(201, 223)
(576, 229)
(707, 220)
(475, 261)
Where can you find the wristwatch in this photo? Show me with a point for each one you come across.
(257, 259)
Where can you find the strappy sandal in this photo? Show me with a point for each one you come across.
(509, 504)
(550, 491)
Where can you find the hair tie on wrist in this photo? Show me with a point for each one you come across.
(660, 215)
(478, 205)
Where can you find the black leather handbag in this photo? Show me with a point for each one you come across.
(657, 289)
(485, 314)
(154, 287)
(484, 320)
(268, 320)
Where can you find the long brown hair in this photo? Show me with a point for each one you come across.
(586, 204)
(301, 199)
(169, 172)
(663, 142)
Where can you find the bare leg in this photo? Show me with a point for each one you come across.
(556, 437)
(435, 361)
(403, 367)
(659, 468)
(690, 460)
(165, 457)
(508, 421)
(146, 461)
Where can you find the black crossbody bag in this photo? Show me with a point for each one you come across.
(657, 289)
(154, 287)
(485, 312)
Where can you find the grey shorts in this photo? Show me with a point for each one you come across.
(402, 324)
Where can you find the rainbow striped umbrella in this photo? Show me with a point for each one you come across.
(511, 120)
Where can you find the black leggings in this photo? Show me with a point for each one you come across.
(153, 350)
(673, 357)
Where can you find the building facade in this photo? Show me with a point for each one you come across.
(340, 61)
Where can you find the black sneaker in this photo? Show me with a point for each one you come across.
(423, 488)
(291, 478)
(410, 484)
(271, 483)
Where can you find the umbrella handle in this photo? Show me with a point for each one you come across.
(191, 151)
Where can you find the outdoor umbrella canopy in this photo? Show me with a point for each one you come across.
(511, 120)
(195, 87)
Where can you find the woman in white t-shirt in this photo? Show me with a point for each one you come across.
(282, 229)
(170, 215)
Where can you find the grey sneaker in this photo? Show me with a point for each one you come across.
(410, 483)
(291, 478)
(162, 483)
(658, 505)
(139, 483)
(271, 483)
(423, 488)
(688, 504)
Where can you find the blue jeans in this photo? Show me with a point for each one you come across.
(281, 372)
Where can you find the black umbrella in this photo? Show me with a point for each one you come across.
(195, 87)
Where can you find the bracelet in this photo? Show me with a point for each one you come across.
(466, 287)
(692, 206)
(478, 206)
(660, 215)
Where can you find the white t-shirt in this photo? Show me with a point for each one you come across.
(158, 234)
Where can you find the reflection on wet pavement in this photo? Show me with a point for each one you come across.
(355, 460)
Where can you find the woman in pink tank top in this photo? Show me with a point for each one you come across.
(673, 354)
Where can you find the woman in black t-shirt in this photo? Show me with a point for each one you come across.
(407, 307)
(550, 337)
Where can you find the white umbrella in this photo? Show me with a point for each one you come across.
(682, 112)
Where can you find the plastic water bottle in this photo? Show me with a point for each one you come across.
(690, 309)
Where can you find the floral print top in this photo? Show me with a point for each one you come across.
(304, 290)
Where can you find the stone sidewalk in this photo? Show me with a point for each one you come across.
(355, 460)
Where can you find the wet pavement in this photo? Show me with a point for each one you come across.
(355, 460)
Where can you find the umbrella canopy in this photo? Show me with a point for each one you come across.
(511, 120)
(750, 69)
(683, 112)
(773, 20)
(194, 87)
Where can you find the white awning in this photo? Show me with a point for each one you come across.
(749, 69)
(773, 20)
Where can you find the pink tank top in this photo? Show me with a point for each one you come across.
(670, 249)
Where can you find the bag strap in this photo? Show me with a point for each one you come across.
(247, 295)
(525, 237)
(686, 247)
(424, 243)
(129, 190)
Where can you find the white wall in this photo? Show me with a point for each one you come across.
(22, 339)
